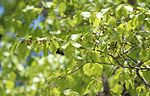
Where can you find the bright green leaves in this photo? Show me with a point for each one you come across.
(93, 56)
(123, 10)
(121, 76)
(28, 8)
(128, 8)
(45, 49)
(62, 8)
(47, 4)
(53, 46)
(146, 76)
(69, 92)
(9, 84)
(87, 41)
(120, 31)
(145, 54)
(13, 48)
(137, 20)
(93, 69)
(86, 14)
(117, 89)
(118, 73)
(72, 22)
(2, 90)
(96, 22)
(68, 50)
(65, 45)
(111, 20)
(142, 91)
(100, 34)
(55, 92)
(75, 44)
(23, 50)
(100, 15)
(75, 37)
(135, 54)
(93, 87)
(71, 46)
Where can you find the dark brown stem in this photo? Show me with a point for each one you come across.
(106, 86)
(106, 89)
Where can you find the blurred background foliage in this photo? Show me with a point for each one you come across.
(48, 47)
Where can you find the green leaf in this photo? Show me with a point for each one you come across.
(76, 29)
(2, 89)
(86, 14)
(100, 14)
(53, 46)
(87, 41)
(135, 54)
(13, 48)
(93, 87)
(62, 8)
(117, 89)
(146, 76)
(123, 10)
(144, 54)
(129, 8)
(90, 87)
(93, 56)
(47, 4)
(93, 69)
(45, 49)
(96, 22)
(75, 44)
(23, 51)
(73, 21)
(69, 92)
(118, 73)
(55, 91)
(75, 37)
(69, 51)
(9, 84)
(148, 94)
(65, 45)
(28, 8)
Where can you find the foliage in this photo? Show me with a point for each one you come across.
(74, 48)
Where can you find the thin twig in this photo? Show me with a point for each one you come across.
(73, 71)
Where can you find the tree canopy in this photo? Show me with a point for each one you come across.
(74, 47)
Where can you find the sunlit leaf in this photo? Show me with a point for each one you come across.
(9, 84)
(93, 69)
